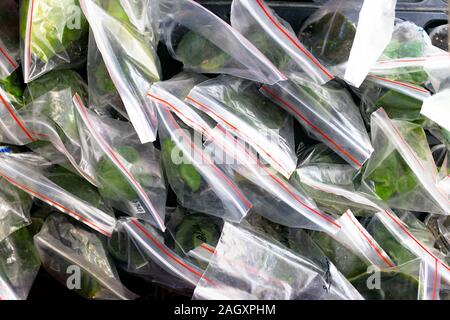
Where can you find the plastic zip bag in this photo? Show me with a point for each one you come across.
(402, 170)
(15, 209)
(275, 39)
(32, 180)
(328, 113)
(151, 246)
(103, 95)
(237, 105)
(127, 181)
(66, 249)
(200, 183)
(246, 265)
(53, 35)
(349, 36)
(9, 38)
(19, 265)
(436, 108)
(130, 58)
(217, 48)
(409, 89)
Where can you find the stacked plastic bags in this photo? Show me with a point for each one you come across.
(275, 166)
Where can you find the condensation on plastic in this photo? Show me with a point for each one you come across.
(389, 136)
(247, 266)
(237, 105)
(372, 23)
(12, 127)
(436, 108)
(62, 245)
(9, 38)
(15, 206)
(18, 267)
(240, 57)
(131, 60)
(329, 114)
(150, 200)
(29, 179)
(354, 236)
(409, 89)
(103, 95)
(151, 245)
(258, 23)
(221, 197)
(42, 36)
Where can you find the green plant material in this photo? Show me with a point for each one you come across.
(394, 286)
(13, 87)
(58, 27)
(197, 51)
(75, 185)
(400, 106)
(195, 229)
(393, 177)
(330, 38)
(394, 249)
(102, 79)
(115, 9)
(53, 92)
(186, 172)
(348, 263)
(18, 255)
(114, 185)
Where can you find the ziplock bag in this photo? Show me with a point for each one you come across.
(409, 89)
(348, 36)
(328, 113)
(168, 265)
(200, 183)
(9, 37)
(130, 58)
(411, 57)
(247, 265)
(237, 105)
(129, 173)
(77, 258)
(103, 95)
(275, 38)
(53, 34)
(15, 207)
(206, 44)
(19, 265)
(31, 179)
(402, 171)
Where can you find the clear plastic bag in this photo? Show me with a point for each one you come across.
(103, 95)
(349, 36)
(53, 34)
(275, 39)
(410, 57)
(402, 171)
(9, 38)
(32, 179)
(129, 173)
(130, 58)
(436, 108)
(19, 265)
(237, 105)
(168, 265)
(409, 89)
(199, 182)
(328, 113)
(217, 48)
(78, 259)
(248, 265)
(15, 206)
